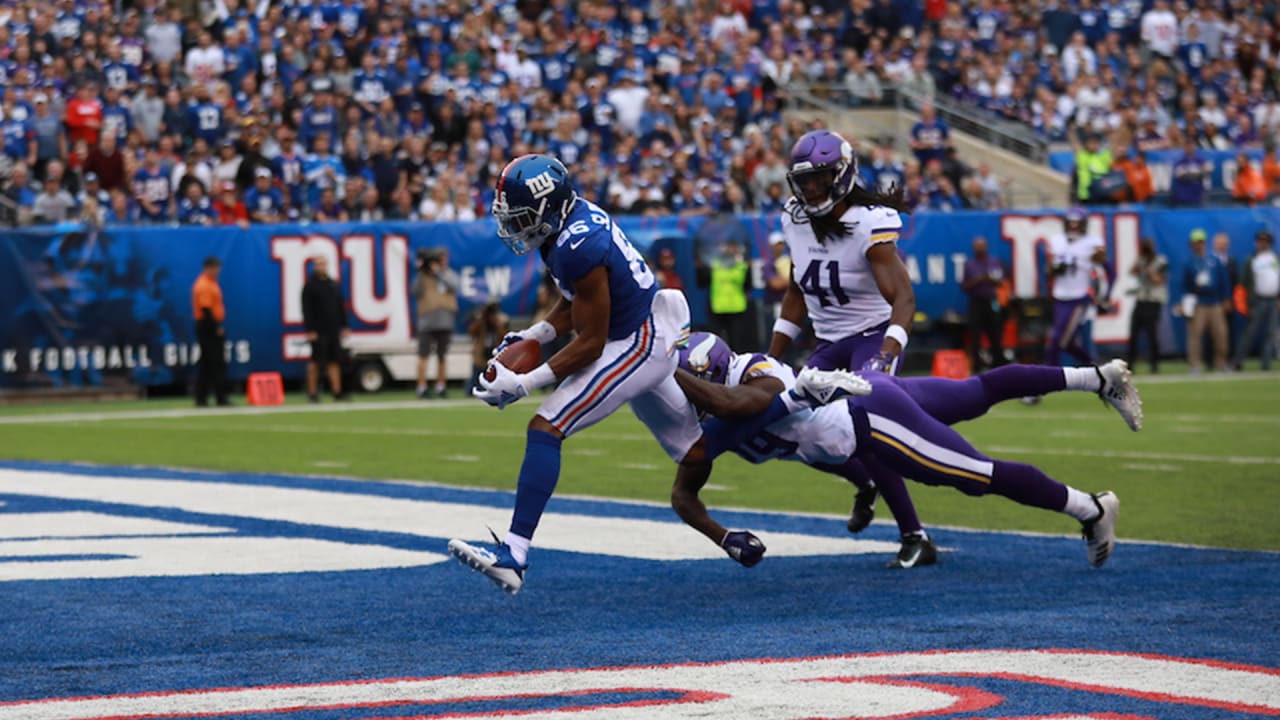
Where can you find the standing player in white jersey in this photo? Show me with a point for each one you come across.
(1072, 257)
(847, 278)
(623, 349)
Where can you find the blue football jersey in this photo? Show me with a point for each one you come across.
(589, 240)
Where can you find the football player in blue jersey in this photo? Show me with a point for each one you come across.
(901, 421)
(625, 337)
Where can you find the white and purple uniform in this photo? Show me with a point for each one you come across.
(1071, 294)
(638, 362)
(905, 424)
(848, 311)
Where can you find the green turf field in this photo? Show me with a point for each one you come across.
(1206, 470)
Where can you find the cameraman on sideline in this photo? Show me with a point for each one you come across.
(436, 288)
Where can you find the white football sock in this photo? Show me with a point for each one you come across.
(1082, 378)
(519, 546)
(1080, 505)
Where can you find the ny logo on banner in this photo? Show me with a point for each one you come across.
(541, 185)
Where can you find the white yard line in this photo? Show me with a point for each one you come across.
(55, 418)
(1136, 455)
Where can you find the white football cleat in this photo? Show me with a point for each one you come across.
(1100, 532)
(1118, 391)
(821, 387)
(493, 562)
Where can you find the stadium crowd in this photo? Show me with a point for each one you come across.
(206, 112)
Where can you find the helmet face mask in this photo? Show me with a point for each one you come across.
(706, 356)
(532, 200)
(823, 170)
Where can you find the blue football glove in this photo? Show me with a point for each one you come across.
(882, 362)
(743, 547)
(505, 388)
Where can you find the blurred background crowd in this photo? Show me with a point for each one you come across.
(239, 112)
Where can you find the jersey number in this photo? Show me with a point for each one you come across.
(811, 283)
(766, 446)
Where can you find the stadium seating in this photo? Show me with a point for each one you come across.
(232, 112)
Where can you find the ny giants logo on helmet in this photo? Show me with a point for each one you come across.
(541, 185)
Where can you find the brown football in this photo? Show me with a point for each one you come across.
(518, 357)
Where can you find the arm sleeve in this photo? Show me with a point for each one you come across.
(450, 280)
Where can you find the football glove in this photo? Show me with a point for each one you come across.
(505, 388)
(743, 547)
(881, 362)
(543, 332)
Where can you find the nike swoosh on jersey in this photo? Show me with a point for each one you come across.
(574, 246)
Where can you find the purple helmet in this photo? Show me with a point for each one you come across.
(706, 356)
(822, 163)
(1075, 221)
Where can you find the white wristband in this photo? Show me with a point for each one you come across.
(783, 326)
(538, 377)
(544, 332)
(899, 333)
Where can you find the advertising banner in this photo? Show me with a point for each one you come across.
(81, 306)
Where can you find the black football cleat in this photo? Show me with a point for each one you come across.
(916, 550)
(864, 509)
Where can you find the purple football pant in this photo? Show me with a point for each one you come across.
(953, 401)
(915, 443)
(849, 354)
(1069, 317)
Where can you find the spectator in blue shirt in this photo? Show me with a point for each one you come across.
(195, 208)
(1206, 303)
(264, 201)
(320, 117)
(152, 188)
(322, 169)
(115, 115)
(204, 117)
(1189, 173)
(930, 137)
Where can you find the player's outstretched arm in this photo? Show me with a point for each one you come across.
(790, 319)
(590, 320)
(691, 475)
(740, 401)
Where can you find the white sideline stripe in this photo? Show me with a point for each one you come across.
(380, 431)
(772, 694)
(1136, 455)
(621, 537)
(1010, 412)
(54, 418)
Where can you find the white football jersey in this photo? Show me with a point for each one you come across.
(824, 435)
(839, 289)
(1077, 255)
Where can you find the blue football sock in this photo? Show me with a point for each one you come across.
(722, 435)
(538, 476)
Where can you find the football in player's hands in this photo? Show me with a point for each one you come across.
(519, 357)
(743, 547)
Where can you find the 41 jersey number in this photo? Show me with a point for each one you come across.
(811, 283)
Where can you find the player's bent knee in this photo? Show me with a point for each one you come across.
(542, 424)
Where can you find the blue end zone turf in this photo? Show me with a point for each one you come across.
(80, 636)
